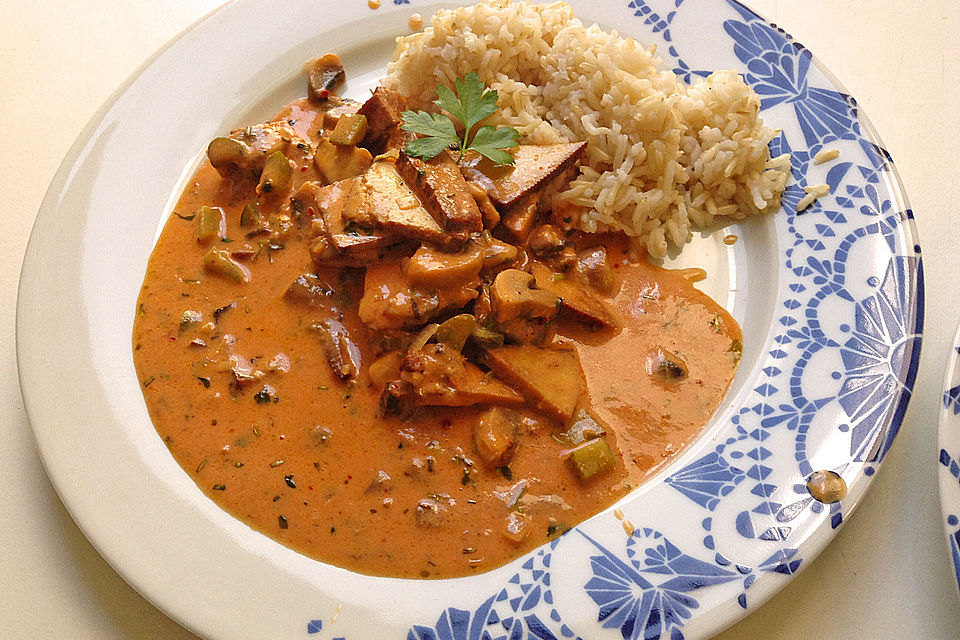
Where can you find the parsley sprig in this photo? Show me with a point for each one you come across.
(471, 103)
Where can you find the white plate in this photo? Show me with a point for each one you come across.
(948, 469)
(830, 302)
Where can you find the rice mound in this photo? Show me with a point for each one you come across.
(662, 156)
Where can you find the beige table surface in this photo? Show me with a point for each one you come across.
(886, 575)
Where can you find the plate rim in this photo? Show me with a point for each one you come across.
(61, 178)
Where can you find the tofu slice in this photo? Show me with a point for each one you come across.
(392, 205)
(383, 112)
(550, 377)
(573, 297)
(443, 191)
(534, 168)
(325, 206)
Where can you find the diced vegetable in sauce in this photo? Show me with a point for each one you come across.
(220, 262)
(276, 175)
(350, 130)
(211, 224)
(455, 331)
(591, 458)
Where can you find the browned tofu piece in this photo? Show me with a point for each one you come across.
(441, 376)
(342, 353)
(495, 435)
(392, 301)
(549, 377)
(383, 111)
(519, 219)
(534, 166)
(333, 243)
(394, 207)
(443, 191)
(573, 297)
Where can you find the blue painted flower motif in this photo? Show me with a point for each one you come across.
(645, 608)
(457, 624)
(706, 480)
(777, 69)
(874, 358)
(514, 613)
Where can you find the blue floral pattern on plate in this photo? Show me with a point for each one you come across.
(839, 366)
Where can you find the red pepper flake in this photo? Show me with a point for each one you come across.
(324, 93)
(303, 168)
(172, 338)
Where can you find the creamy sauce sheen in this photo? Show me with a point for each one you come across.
(307, 460)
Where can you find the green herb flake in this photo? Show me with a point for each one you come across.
(276, 463)
(715, 323)
(471, 103)
(219, 487)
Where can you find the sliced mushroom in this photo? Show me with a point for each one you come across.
(342, 354)
(308, 290)
(338, 162)
(435, 268)
(514, 296)
(666, 367)
(593, 266)
(545, 240)
(495, 435)
(398, 399)
(326, 76)
(496, 252)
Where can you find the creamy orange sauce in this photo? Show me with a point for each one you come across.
(307, 460)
